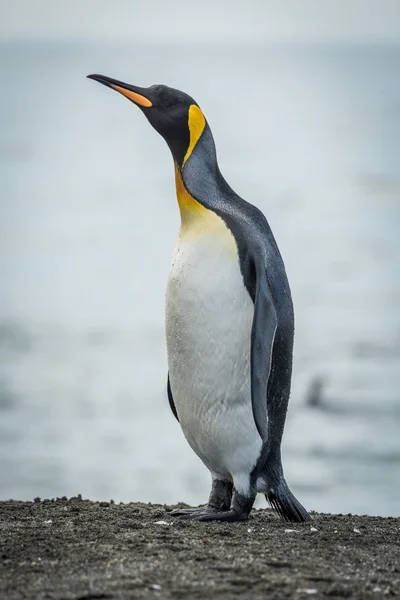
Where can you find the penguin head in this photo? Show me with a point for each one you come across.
(174, 114)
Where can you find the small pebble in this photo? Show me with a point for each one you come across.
(155, 587)
(356, 530)
(290, 530)
(249, 530)
(313, 529)
(49, 522)
(161, 523)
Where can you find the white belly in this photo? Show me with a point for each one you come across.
(209, 316)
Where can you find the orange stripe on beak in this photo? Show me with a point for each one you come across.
(136, 98)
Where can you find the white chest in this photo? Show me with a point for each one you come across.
(209, 316)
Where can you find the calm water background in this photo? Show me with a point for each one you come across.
(311, 135)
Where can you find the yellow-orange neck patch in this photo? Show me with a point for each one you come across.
(198, 221)
(196, 124)
(190, 208)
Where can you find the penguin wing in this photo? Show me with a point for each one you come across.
(262, 342)
(171, 399)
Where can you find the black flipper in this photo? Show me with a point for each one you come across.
(270, 358)
(171, 400)
(262, 343)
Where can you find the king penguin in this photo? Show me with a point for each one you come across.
(229, 320)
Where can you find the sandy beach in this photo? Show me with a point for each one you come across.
(74, 549)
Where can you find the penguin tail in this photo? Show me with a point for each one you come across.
(279, 496)
(286, 504)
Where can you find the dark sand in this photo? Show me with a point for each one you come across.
(81, 550)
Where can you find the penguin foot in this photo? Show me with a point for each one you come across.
(196, 514)
(208, 513)
(219, 501)
(229, 516)
(239, 510)
(185, 512)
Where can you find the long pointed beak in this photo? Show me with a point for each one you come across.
(136, 94)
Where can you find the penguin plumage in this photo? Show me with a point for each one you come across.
(229, 320)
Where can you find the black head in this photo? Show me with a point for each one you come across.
(174, 114)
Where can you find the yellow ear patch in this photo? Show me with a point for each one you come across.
(136, 98)
(196, 123)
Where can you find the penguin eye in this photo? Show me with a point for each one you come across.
(165, 99)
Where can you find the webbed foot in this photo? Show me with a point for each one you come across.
(238, 509)
(187, 512)
(219, 501)
(196, 514)
(229, 516)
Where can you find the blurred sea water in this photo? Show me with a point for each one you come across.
(311, 135)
